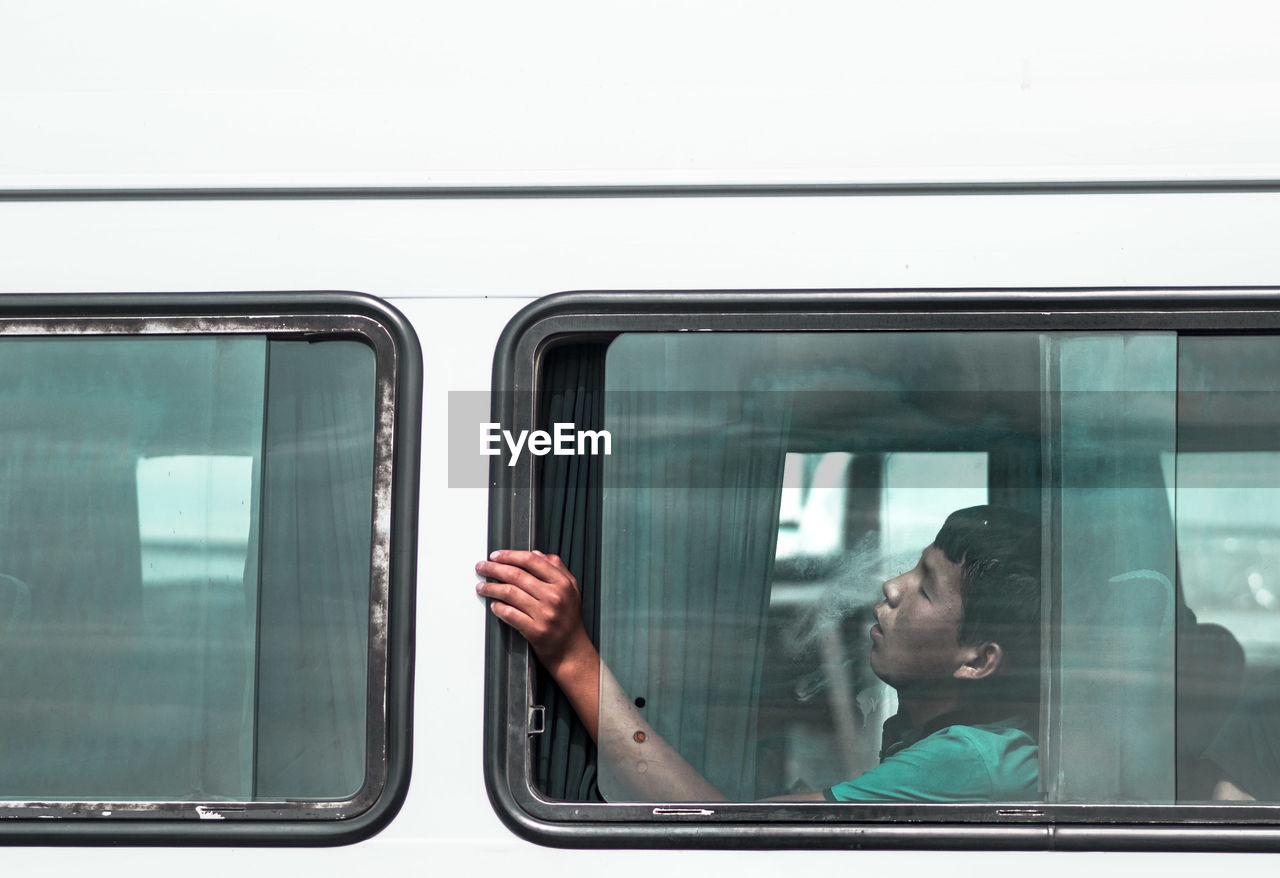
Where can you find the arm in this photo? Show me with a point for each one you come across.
(537, 596)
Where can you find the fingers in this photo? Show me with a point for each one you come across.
(509, 602)
(548, 568)
(543, 576)
(527, 581)
(534, 593)
(522, 622)
(509, 593)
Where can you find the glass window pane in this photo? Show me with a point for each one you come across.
(758, 487)
(764, 487)
(821, 708)
(195, 520)
(194, 517)
(1229, 545)
(811, 509)
(317, 505)
(121, 684)
(184, 567)
(1111, 724)
(920, 490)
(1228, 526)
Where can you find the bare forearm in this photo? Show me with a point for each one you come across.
(637, 756)
(577, 673)
(649, 768)
(537, 596)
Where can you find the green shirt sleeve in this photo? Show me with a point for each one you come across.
(956, 764)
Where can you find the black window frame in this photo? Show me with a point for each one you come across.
(308, 315)
(511, 719)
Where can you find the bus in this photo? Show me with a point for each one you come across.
(307, 309)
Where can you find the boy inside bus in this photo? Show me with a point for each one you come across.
(957, 637)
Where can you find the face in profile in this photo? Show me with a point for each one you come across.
(915, 641)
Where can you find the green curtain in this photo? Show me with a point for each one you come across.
(315, 562)
(690, 524)
(569, 526)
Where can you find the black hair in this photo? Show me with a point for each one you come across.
(998, 551)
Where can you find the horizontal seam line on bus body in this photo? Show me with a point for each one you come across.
(742, 190)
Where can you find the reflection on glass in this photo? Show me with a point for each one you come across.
(920, 491)
(811, 509)
(193, 518)
(1229, 545)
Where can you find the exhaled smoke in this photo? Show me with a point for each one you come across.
(852, 585)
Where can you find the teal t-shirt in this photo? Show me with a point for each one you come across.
(997, 762)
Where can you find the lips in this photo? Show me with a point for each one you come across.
(876, 632)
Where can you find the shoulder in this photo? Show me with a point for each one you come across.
(988, 739)
(984, 763)
(1009, 753)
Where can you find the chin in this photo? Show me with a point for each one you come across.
(880, 674)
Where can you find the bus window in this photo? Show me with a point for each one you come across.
(194, 612)
(768, 485)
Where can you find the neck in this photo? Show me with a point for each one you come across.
(921, 707)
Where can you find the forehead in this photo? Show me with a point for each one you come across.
(944, 575)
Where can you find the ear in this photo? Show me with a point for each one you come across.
(980, 661)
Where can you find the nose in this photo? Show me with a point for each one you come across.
(893, 590)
